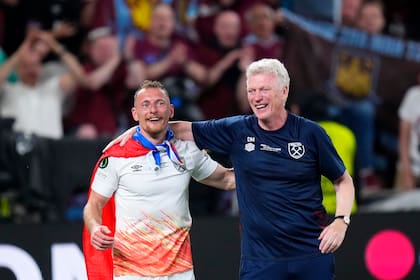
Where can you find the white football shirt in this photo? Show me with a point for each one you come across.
(152, 212)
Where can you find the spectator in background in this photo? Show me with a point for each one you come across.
(217, 96)
(35, 105)
(371, 17)
(168, 57)
(60, 17)
(207, 12)
(221, 57)
(261, 41)
(354, 94)
(99, 110)
(261, 34)
(349, 12)
(408, 167)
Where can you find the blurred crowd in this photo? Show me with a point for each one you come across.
(69, 68)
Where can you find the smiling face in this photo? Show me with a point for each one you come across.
(152, 109)
(267, 98)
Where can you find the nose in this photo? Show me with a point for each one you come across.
(259, 94)
(153, 108)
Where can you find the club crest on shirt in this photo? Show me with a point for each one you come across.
(249, 147)
(296, 149)
(103, 163)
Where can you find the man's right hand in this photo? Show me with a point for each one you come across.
(100, 238)
(122, 139)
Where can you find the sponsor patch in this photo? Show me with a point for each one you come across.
(103, 163)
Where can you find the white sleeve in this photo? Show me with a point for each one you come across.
(105, 179)
(203, 164)
(409, 104)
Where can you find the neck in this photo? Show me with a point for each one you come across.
(154, 138)
(274, 123)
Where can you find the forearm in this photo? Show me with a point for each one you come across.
(101, 75)
(92, 216)
(75, 68)
(197, 72)
(229, 179)
(344, 195)
(217, 71)
(156, 70)
(135, 74)
(404, 143)
(222, 178)
(182, 130)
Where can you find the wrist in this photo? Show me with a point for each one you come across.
(343, 218)
(60, 51)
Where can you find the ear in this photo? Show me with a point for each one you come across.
(134, 114)
(286, 91)
(172, 110)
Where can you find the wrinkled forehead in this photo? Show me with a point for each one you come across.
(262, 77)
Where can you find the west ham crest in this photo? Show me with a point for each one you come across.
(296, 150)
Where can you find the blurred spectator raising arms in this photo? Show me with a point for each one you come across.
(168, 57)
(221, 57)
(98, 108)
(36, 105)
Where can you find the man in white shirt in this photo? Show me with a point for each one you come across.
(408, 169)
(148, 180)
(36, 104)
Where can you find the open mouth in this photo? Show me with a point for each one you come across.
(261, 106)
(154, 119)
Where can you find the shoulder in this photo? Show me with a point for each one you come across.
(239, 121)
(413, 92)
(131, 149)
(304, 124)
(184, 146)
(223, 123)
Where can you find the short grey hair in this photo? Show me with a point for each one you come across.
(269, 65)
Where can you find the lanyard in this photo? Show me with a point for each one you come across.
(156, 149)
